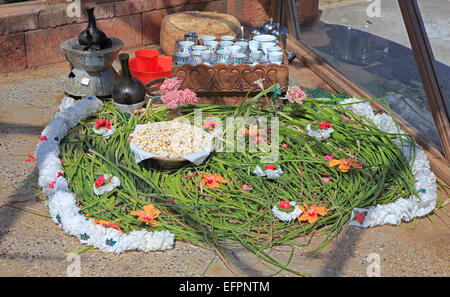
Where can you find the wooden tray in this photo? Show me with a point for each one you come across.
(228, 84)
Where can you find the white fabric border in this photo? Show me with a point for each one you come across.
(62, 202)
(64, 212)
(404, 209)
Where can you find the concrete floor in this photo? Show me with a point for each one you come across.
(32, 245)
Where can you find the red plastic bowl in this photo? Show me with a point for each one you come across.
(145, 76)
(147, 60)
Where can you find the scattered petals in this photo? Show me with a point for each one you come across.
(329, 157)
(42, 138)
(107, 224)
(51, 185)
(30, 158)
(326, 179)
(285, 145)
(245, 187)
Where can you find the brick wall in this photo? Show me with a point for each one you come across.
(30, 35)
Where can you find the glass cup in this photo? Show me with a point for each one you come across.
(237, 58)
(208, 38)
(223, 45)
(235, 49)
(243, 45)
(185, 46)
(182, 58)
(196, 57)
(223, 56)
(276, 57)
(206, 57)
(253, 45)
(199, 48)
(256, 56)
(227, 38)
(212, 45)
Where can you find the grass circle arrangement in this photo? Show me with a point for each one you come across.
(367, 172)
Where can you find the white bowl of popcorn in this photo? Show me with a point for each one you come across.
(170, 144)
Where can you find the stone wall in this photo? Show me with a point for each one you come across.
(30, 34)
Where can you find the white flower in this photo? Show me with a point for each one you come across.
(284, 216)
(269, 173)
(320, 133)
(105, 132)
(114, 183)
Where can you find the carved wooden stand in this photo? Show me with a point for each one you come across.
(228, 84)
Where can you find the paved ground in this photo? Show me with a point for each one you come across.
(32, 245)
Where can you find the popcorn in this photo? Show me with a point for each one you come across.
(172, 139)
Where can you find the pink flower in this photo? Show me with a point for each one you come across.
(189, 97)
(209, 124)
(170, 200)
(328, 157)
(245, 187)
(326, 179)
(42, 138)
(295, 94)
(285, 145)
(173, 99)
(170, 84)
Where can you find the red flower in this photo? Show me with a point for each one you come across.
(100, 181)
(108, 124)
(285, 145)
(60, 174)
(360, 217)
(100, 123)
(324, 125)
(51, 185)
(30, 158)
(271, 167)
(42, 138)
(284, 204)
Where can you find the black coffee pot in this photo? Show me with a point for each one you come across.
(128, 90)
(92, 38)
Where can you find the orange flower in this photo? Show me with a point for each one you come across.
(213, 180)
(107, 224)
(344, 164)
(311, 214)
(148, 215)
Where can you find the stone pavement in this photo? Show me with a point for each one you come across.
(32, 245)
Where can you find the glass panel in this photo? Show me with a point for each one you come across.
(366, 40)
(436, 15)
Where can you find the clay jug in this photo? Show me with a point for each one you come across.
(92, 38)
(128, 90)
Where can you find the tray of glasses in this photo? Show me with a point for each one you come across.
(212, 76)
